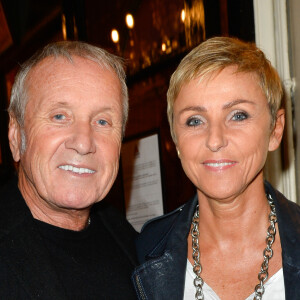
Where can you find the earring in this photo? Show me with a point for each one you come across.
(178, 153)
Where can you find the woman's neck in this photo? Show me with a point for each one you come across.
(244, 216)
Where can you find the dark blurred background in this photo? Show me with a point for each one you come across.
(162, 33)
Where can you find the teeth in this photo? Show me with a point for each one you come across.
(76, 170)
(216, 165)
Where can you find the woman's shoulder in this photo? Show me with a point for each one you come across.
(288, 212)
(288, 218)
(282, 204)
(158, 231)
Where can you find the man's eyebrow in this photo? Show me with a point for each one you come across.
(236, 102)
(59, 104)
(67, 104)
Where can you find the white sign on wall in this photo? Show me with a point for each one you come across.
(142, 180)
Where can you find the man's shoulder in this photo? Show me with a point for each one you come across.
(113, 219)
(9, 189)
(13, 209)
(119, 228)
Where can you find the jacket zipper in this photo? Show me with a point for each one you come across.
(138, 282)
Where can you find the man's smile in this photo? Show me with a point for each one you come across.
(76, 170)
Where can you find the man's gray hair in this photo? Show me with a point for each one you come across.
(66, 49)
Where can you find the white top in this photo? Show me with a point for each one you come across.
(274, 287)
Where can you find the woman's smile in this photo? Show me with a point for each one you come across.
(219, 165)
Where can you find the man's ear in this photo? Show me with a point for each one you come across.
(14, 137)
(277, 132)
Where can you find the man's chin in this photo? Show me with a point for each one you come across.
(73, 202)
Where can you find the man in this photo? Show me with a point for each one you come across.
(68, 111)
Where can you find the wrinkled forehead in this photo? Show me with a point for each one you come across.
(66, 68)
(58, 77)
(53, 65)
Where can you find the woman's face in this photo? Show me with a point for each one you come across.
(223, 130)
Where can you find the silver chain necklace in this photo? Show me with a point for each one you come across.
(267, 253)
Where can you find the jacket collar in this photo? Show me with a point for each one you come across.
(164, 260)
(161, 276)
(171, 230)
(288, 216)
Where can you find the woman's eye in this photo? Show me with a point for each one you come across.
(102, 122)
(59, 117)
(193, 122)
(240, 116)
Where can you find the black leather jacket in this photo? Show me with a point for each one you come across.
(162, 250)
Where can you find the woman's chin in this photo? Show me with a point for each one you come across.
(219, 192)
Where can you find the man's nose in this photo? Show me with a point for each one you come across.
(216, 138)
(81, 138)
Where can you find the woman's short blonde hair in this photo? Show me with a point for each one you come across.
(214, 55)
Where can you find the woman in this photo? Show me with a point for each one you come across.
(238, 238)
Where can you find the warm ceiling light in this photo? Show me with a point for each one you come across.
(64, 27)
(115, 35)
(163, 47)
(129, 21)
(183, 15)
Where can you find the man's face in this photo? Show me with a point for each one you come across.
(73, 128)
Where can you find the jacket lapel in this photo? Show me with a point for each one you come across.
(289, 229)
(162, 267)
(161, 274)
(162, 277)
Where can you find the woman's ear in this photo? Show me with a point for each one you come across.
(277, 132)
(14, 137)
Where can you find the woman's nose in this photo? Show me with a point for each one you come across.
(216, 138)
(81, 138)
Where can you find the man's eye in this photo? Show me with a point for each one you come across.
(193, 122)
(102, 122)
(59, 117)
(240, 116)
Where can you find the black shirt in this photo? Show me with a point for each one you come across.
(89, 263)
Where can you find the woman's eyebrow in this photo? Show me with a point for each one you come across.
(230, 104)
(193, 108)
(236, 102)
